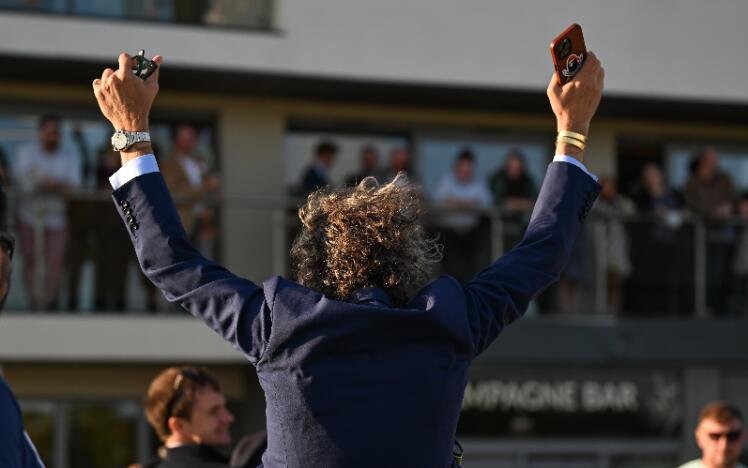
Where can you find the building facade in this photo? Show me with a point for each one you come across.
(263, 82)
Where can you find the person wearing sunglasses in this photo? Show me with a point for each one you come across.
(720, 435)
(16, 448)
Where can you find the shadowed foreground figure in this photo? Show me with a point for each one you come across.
(362, 361)
(16, 448)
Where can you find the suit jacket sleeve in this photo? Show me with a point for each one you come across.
(501, 293)
(233, 307)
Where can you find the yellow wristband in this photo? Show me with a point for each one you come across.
(571, 141)
(575, 135)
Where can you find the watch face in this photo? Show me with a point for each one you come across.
(119, 141)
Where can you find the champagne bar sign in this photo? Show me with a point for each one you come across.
(614, 405)
(562, 396)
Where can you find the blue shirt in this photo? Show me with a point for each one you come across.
(16, 449)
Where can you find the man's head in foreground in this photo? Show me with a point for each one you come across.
(365, 236)
(720, 435)
(185, 406)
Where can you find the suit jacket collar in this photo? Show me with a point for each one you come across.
(371, 296)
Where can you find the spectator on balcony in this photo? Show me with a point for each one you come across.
(514, 193)
(653, 197)
(612, 242)
(662, 275)
(399, 162)
(189, 179)
(369, 166)
(512, 187)
(462, 195)
(46, 173)
(317, 174)
(111, 260)
(709, 194)
(709, 191)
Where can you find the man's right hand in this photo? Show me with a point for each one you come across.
(575, 102)
(125, 99)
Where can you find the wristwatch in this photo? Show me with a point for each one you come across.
(122, 139)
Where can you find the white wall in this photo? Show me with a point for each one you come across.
(668, 48)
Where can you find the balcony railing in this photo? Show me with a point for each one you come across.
(632, 266)
(243, 14)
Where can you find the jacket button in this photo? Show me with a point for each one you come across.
(134, 226)
(124, 204)
(129, 219)
(128, 211)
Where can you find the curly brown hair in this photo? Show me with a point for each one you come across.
(369, 235)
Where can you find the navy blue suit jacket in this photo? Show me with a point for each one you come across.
(16, 449)
(358, 383)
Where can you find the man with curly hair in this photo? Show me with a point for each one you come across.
(363, 361)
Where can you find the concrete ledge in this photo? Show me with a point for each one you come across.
(132, 339)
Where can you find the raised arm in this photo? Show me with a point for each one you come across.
(233, 307)
(501, 293)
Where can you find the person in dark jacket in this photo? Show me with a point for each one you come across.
(363, 359)
(16, 448)
(317, 174)
(187, 410)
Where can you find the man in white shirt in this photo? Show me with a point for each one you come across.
(720, 436)
(45, 174)
(462, 195)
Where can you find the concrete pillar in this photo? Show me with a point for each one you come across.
(251, 143)
(601, 155)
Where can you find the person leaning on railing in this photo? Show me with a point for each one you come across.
(363, 360)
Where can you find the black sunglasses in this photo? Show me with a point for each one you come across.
(731, 436)
(178, 394)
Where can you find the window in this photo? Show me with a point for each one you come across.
(105, 434)
(244, 14)
(99, 272)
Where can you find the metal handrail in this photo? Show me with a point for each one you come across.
(283, 210)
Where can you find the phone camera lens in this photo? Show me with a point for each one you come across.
(564, 48)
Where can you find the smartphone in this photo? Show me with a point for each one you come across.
(143, 66)
(568, 52)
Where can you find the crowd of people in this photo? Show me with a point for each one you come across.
(632, 228)
(63, 220)
(362, 347)
(648, 223)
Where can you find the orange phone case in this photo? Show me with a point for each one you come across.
(568, 52)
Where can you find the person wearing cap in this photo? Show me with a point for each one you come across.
(16, 448)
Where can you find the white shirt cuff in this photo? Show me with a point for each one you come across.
(574, 161)
(132, 169)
